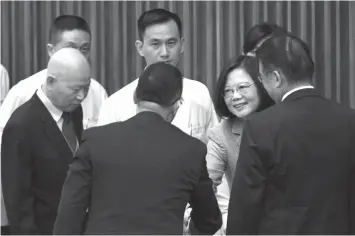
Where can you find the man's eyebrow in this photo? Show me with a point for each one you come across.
(154, 39)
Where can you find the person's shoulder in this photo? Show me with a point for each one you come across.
(186, 141)
(196, 93)
(31, 83)
(94, 131)
(96, 85)
(222, 128)
(123, 93)
(268, 119)
(195, 86)
(24, 114)
(3, 70)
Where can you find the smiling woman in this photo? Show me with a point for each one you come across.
(238, 94)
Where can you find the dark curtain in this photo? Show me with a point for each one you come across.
(213, 32)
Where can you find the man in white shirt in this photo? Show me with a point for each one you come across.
(4, 83)
(67, 31)
(4, 88)
(160, 39)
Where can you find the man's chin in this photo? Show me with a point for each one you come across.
(71, 107)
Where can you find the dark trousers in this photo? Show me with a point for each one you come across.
(5, 230)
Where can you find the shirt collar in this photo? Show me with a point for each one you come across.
(294, 90)
(55, 112)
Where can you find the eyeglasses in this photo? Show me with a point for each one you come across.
(242, 89)
(260, 79)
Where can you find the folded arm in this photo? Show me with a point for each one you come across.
(216, 158)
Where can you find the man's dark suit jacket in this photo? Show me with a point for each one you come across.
(136, 177)
(296, 170)
(34, 162)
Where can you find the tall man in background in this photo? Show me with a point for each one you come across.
(160, 39)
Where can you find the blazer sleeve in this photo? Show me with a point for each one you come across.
(205, 213)
(16, 177)
(12, 101)
(247, 191)
(352, 180)
(216, 156)
(222, 196)
(75, 197)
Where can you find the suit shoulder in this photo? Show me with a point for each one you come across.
(224, 125)
(100, 131)
(23, 115)
(96, 86)
(189, 142)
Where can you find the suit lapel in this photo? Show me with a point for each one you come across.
(50, 129)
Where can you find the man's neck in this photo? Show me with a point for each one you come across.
(151, 107)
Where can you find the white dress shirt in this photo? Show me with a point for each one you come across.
(25, 89)
(55, 112)
(4, 83)
(194, 117)
(4, 88)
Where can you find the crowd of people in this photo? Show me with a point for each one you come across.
(265, 154)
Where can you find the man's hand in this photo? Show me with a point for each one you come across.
(187, 218)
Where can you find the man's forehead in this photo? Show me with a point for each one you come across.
(74, 36)
(164, 30)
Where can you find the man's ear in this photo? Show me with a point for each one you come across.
(50, 49)
(182, 45)
(278, 78)
(50, 80)
(139, 46)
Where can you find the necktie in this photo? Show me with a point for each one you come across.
(68, 131)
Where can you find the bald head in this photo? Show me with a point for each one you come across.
(67, 60)
(68, 79)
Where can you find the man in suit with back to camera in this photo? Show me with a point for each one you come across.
(296, 168)
(162, 167)
(38, 143)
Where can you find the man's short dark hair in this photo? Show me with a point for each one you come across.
(259, 32)
(251, 66)
(67, 23)
(160, 83)
(156, 16)
(289, 54)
